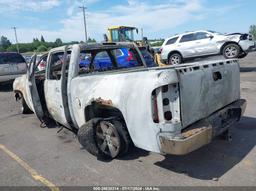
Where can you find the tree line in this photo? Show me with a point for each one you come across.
(35, 46)
(42, 46)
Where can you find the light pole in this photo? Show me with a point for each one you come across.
(85, 28)
(142, 35)
(17, 44)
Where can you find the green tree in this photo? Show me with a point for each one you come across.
(2, 49)
(35, 40)
(41, 48)
(42, 38)
(4, 42)
(91, 40)
(58, 42)
(12, 48)
(253, 31)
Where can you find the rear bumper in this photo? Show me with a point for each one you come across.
(252, 48)
(202, 132)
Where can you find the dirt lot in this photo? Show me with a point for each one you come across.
(59, 159)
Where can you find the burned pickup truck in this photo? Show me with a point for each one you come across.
(168, 110)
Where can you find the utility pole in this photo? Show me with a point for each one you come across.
(17, 44)
(85, 29)
(142, 33)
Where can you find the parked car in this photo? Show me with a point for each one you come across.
(27, 58)
(159, 109)
(12, 65)
(204, 43)
(41, 60)
(125, 58)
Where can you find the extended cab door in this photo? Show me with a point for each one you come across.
(55, 86)
(33, 95)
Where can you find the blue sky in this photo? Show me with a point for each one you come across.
(158, 18)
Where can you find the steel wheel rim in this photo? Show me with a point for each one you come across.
(175, 60)
(108, 139)
(231, 51)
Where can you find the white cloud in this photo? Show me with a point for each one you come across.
(153, 18)
(74, 4)
(27, 5)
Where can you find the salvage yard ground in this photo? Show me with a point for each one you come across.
(58, 158)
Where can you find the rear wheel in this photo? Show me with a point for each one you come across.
(104, 138)
(86, 137)
(231, 50)
(174, 59)
(112, 138)
(242, 55)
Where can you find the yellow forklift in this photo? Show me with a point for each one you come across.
(126, 33)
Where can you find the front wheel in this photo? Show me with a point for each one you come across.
(24, 107)
(231, 51)
(174, 59)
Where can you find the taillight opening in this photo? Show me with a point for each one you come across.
(154, 107)
(165, 104)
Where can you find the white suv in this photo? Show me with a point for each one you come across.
(204, 43)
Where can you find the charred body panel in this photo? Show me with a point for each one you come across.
(131, 94)
(157, 105)
(207, 88)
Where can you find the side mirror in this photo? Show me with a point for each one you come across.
(210, 36)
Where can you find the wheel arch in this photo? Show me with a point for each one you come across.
(173, 52)
(101, 110)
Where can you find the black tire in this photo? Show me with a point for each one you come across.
(125, 137)
(24, 107)
(231, 51)
(175, 59)
(86, 137)
(242, 55)
(122, 136)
